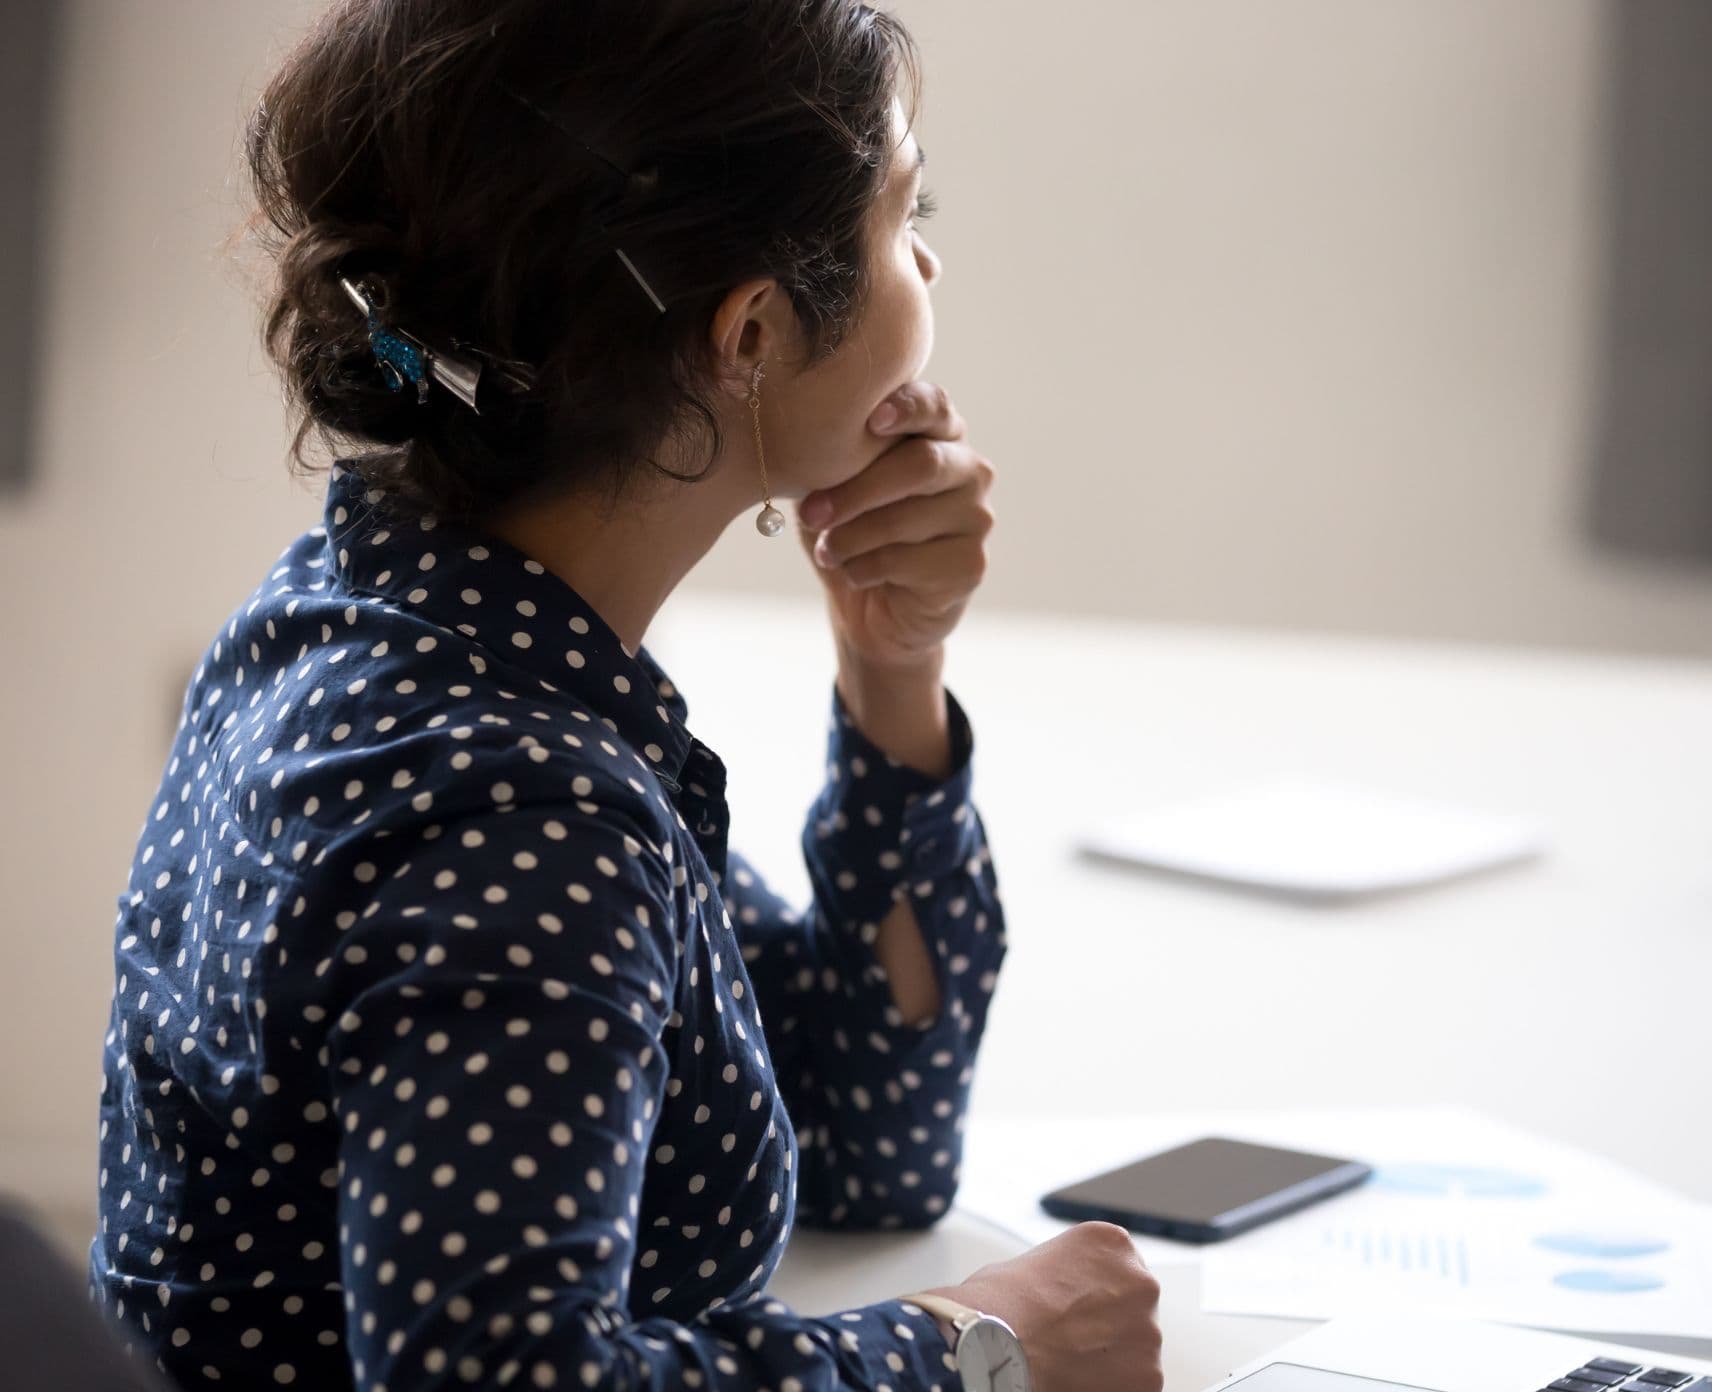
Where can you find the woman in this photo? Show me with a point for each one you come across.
(451, 1045)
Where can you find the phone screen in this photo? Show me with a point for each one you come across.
(1210, 1183)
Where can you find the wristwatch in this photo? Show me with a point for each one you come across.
(988, 1353)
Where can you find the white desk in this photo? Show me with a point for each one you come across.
(826, 1272)
(1571, 996)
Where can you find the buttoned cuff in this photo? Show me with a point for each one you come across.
(919, 1355)
(879, 824)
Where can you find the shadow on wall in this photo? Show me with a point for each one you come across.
(1651, 493)
(28, 58)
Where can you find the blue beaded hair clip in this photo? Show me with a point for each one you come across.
(405, 358)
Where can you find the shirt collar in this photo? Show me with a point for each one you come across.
(510, 605)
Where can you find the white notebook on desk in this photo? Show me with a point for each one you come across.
(1316, 840)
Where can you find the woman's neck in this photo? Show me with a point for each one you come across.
(626, 560)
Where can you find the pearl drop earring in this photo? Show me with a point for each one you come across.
(770, 521)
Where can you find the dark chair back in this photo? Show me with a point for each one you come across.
(52, 1336)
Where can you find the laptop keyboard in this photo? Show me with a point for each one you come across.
(1608, 1375)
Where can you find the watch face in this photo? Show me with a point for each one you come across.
(989, 1358)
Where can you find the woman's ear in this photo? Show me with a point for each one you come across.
(747, 330)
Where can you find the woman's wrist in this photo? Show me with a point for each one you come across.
(901, 710)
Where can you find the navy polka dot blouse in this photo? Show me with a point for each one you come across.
(450, 1044)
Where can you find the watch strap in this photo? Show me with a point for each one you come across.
(957, 1313)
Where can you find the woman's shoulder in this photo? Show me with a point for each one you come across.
(470, 825)
(349, 718)
(470, 764)
(379, 682)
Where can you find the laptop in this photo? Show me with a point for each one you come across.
(1447, 1353)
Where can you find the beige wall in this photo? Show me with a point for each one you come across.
(1270, 315)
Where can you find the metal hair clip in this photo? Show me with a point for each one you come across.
(611, 164)
(404, 357)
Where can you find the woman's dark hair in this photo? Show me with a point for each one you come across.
(398, 144)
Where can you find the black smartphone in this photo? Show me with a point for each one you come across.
(1207, 1190)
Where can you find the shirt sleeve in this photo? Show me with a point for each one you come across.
(878, 1102)
(496, 1075)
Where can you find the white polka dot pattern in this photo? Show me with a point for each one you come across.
(437, 1053)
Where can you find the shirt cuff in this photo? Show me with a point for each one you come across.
(878, 822)
(920, 1345)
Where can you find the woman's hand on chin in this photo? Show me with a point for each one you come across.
(901, 546)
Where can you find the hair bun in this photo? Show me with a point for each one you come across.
(322, 338)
